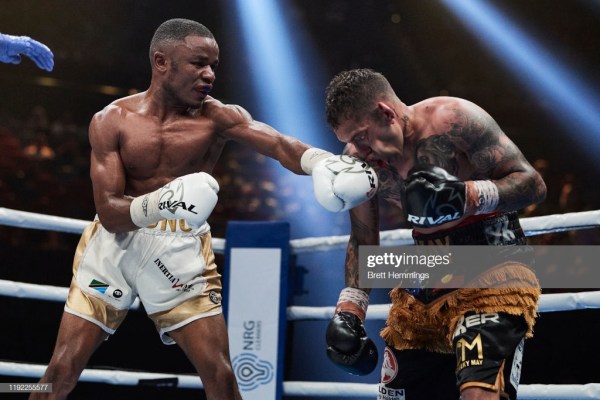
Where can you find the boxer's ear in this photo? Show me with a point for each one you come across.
(385, 113)
(160, 61)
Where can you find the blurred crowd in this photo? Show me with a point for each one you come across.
(44, 168)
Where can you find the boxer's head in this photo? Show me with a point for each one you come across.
(363, 111)
(184, 56)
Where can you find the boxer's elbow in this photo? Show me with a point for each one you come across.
(108, 222)
(115, 226)
(537, 187)
(114, 219)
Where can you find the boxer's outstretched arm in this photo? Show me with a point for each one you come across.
(336, 188)
(239, 126)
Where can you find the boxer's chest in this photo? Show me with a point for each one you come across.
(173, 149)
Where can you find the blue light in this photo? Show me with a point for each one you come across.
(574, 103)
(288, 90)
(276, 67)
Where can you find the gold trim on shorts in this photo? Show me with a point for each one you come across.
(84, 304)
(206, 304)
(497, 387)
(413, 324)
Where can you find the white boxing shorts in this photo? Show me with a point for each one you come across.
(169, 266)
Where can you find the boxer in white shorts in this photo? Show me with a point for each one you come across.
(151, 156)
(169, 266)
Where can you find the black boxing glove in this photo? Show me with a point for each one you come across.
(348, 345)
(432, 196)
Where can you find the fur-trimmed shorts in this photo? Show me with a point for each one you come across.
(473, 336)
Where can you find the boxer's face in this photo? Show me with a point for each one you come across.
(191, 69)
(371, 138)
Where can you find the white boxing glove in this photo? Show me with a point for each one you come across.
(191, 197)
(341, 182)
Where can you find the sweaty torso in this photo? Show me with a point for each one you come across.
(154, 151)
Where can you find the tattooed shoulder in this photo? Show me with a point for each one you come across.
(472, 137)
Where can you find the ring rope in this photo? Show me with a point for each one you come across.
(113, 376)
(548, 302)
(290, 388)
(532, 226)
(25, 219)
(40, 292)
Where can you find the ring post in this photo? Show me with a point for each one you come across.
(255, 294)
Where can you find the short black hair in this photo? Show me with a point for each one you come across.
(352, 93)
(176, 30)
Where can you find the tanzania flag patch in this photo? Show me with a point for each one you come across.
(99, 286)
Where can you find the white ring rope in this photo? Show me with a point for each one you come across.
(290, 388)
(531, 226)
(24, 219)
(40, 292)
(112, 376)
(548, 302)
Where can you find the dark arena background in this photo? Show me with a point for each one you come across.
(533, 65)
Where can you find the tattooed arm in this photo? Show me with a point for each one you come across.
(348, 345)
(493, 156)
(364, 221)
(364, 225)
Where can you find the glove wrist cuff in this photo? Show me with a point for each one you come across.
(351, 308)
(144, 209)
(482, 197)
(312, 157)
(353, 300)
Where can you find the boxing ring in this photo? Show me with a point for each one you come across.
(559, 302)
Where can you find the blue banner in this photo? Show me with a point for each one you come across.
(255, 293)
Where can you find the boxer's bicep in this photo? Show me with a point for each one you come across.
(494, 156)
(106, 167)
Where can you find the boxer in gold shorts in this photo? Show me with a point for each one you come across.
(459, 181)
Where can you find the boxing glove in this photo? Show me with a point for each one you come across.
(348, 345)
(432, 196)
(340, 182)
(191, 197)
(11, 48)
